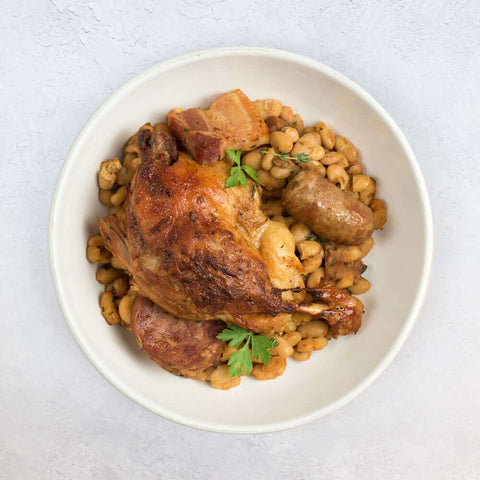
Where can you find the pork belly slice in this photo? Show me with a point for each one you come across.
(231, 121)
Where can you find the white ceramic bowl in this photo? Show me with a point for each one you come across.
(398, 266)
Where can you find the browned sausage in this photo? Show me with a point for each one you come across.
(175, 344)
(331, 213)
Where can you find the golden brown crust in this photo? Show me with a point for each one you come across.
(114, 234)
(345, 313)
(157, 146)
(190, 241)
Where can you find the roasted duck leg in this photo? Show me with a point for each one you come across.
(194, 246)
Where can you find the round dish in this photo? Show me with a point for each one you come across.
(399, 266)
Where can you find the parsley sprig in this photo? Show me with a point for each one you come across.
(255, 346)
(238, 171)
(300, 158)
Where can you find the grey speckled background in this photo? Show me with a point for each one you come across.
(59, 418)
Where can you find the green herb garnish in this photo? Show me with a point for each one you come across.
(238, 171)
(300, 158)
(312, 236)
(242, 359)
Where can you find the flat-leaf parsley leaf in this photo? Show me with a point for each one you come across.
(238, 171)
(241, 360)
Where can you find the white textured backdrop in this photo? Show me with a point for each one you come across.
(59, 418)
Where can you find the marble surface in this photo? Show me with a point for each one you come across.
(59, 418)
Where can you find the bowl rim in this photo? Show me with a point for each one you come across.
(417, 303)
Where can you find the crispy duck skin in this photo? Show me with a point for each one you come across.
(192, 242)
(114, 234)
(231, 121)
(345, 313)
(194, 245)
